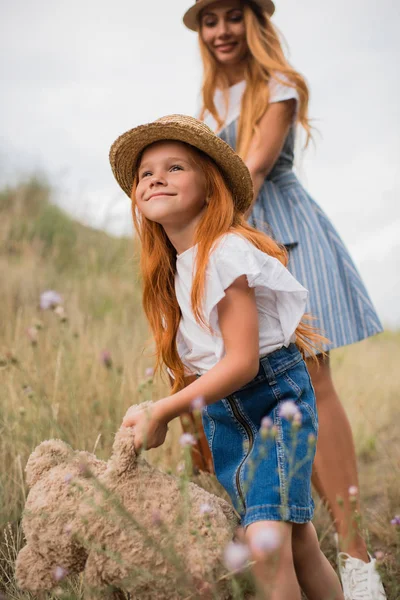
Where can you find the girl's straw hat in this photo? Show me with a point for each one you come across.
(127, 149)
(191, 16)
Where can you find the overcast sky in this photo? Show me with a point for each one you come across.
(76, 74)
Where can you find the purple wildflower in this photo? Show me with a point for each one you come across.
(59, 573)
(236, 556)
(289, 410)
(205, 508)
(50, 299)
(187, 439)
(32, 334)
(198, 403)
(267, 540)
(106, 359)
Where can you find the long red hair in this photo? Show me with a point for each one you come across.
(264, 60)
(158, 267)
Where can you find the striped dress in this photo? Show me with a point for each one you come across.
(318, 257)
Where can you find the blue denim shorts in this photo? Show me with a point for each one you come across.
(268, 477)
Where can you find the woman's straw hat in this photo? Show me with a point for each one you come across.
(191, 16)
(127, 149)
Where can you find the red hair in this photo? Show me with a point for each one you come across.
(158, 267)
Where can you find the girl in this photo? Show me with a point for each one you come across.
(254, 99)
(222, 305)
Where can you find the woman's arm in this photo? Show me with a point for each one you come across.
(266, 146)
(238, 322)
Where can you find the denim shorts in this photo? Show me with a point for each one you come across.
(267, 473)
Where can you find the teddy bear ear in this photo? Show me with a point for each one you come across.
(46, 456)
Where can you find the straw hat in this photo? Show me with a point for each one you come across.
(190, 18)
(127, 149)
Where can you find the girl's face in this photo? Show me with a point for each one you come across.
(223, 31)
(171, 188)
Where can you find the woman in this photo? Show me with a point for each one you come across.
(254, 99)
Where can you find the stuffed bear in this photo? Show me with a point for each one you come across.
(127, 525)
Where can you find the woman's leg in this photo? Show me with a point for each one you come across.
(315, 574)
(270, 544)
(335, 467)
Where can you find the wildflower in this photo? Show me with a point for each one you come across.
(68, 478)
(198, 403)
(68, 528)
(274, 431)
(205, 508)
(297, 420)
(353, 491)
(50, 299)
(312, 440)
(60, 312)
(32, 334)
(105, 357)
(149, 372)
(28, 391)
(59, 573)
(22, 410)
(12, 359)
(379, 555)
(181, 468)
(288, 410)
(187, 439)
(266, 426)
(267, 540)
(156, 518)
(395, 521)
(236, 556)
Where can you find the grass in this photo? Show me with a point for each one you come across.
(63, 386)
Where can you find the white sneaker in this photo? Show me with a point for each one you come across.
(360, 580)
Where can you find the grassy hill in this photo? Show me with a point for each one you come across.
(72, 375)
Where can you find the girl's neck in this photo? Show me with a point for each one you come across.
(234, 73)
(182, 236)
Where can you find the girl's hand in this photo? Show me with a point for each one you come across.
(149, 430)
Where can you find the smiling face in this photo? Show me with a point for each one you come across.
(171, 188)
(223, 31)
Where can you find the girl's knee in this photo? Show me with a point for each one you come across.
(270, 542)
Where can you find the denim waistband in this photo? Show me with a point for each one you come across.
(275, 363)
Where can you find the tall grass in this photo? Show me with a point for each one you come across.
(59, 382)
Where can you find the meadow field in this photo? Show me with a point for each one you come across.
(72, 373)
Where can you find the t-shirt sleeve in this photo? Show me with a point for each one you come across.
(279, 91)
(235, 256)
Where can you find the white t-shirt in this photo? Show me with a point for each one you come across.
(280, 300)
(278, 92)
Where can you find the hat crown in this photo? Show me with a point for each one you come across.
(127, 149)
(177, 119)
(190, 18)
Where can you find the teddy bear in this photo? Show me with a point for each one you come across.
(127, 525)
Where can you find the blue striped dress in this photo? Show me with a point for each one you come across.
(318, 257)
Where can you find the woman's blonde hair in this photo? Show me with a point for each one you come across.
(265, 59)
(158, 267)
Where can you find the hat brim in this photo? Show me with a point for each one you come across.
(191, 16)
(127, 149)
